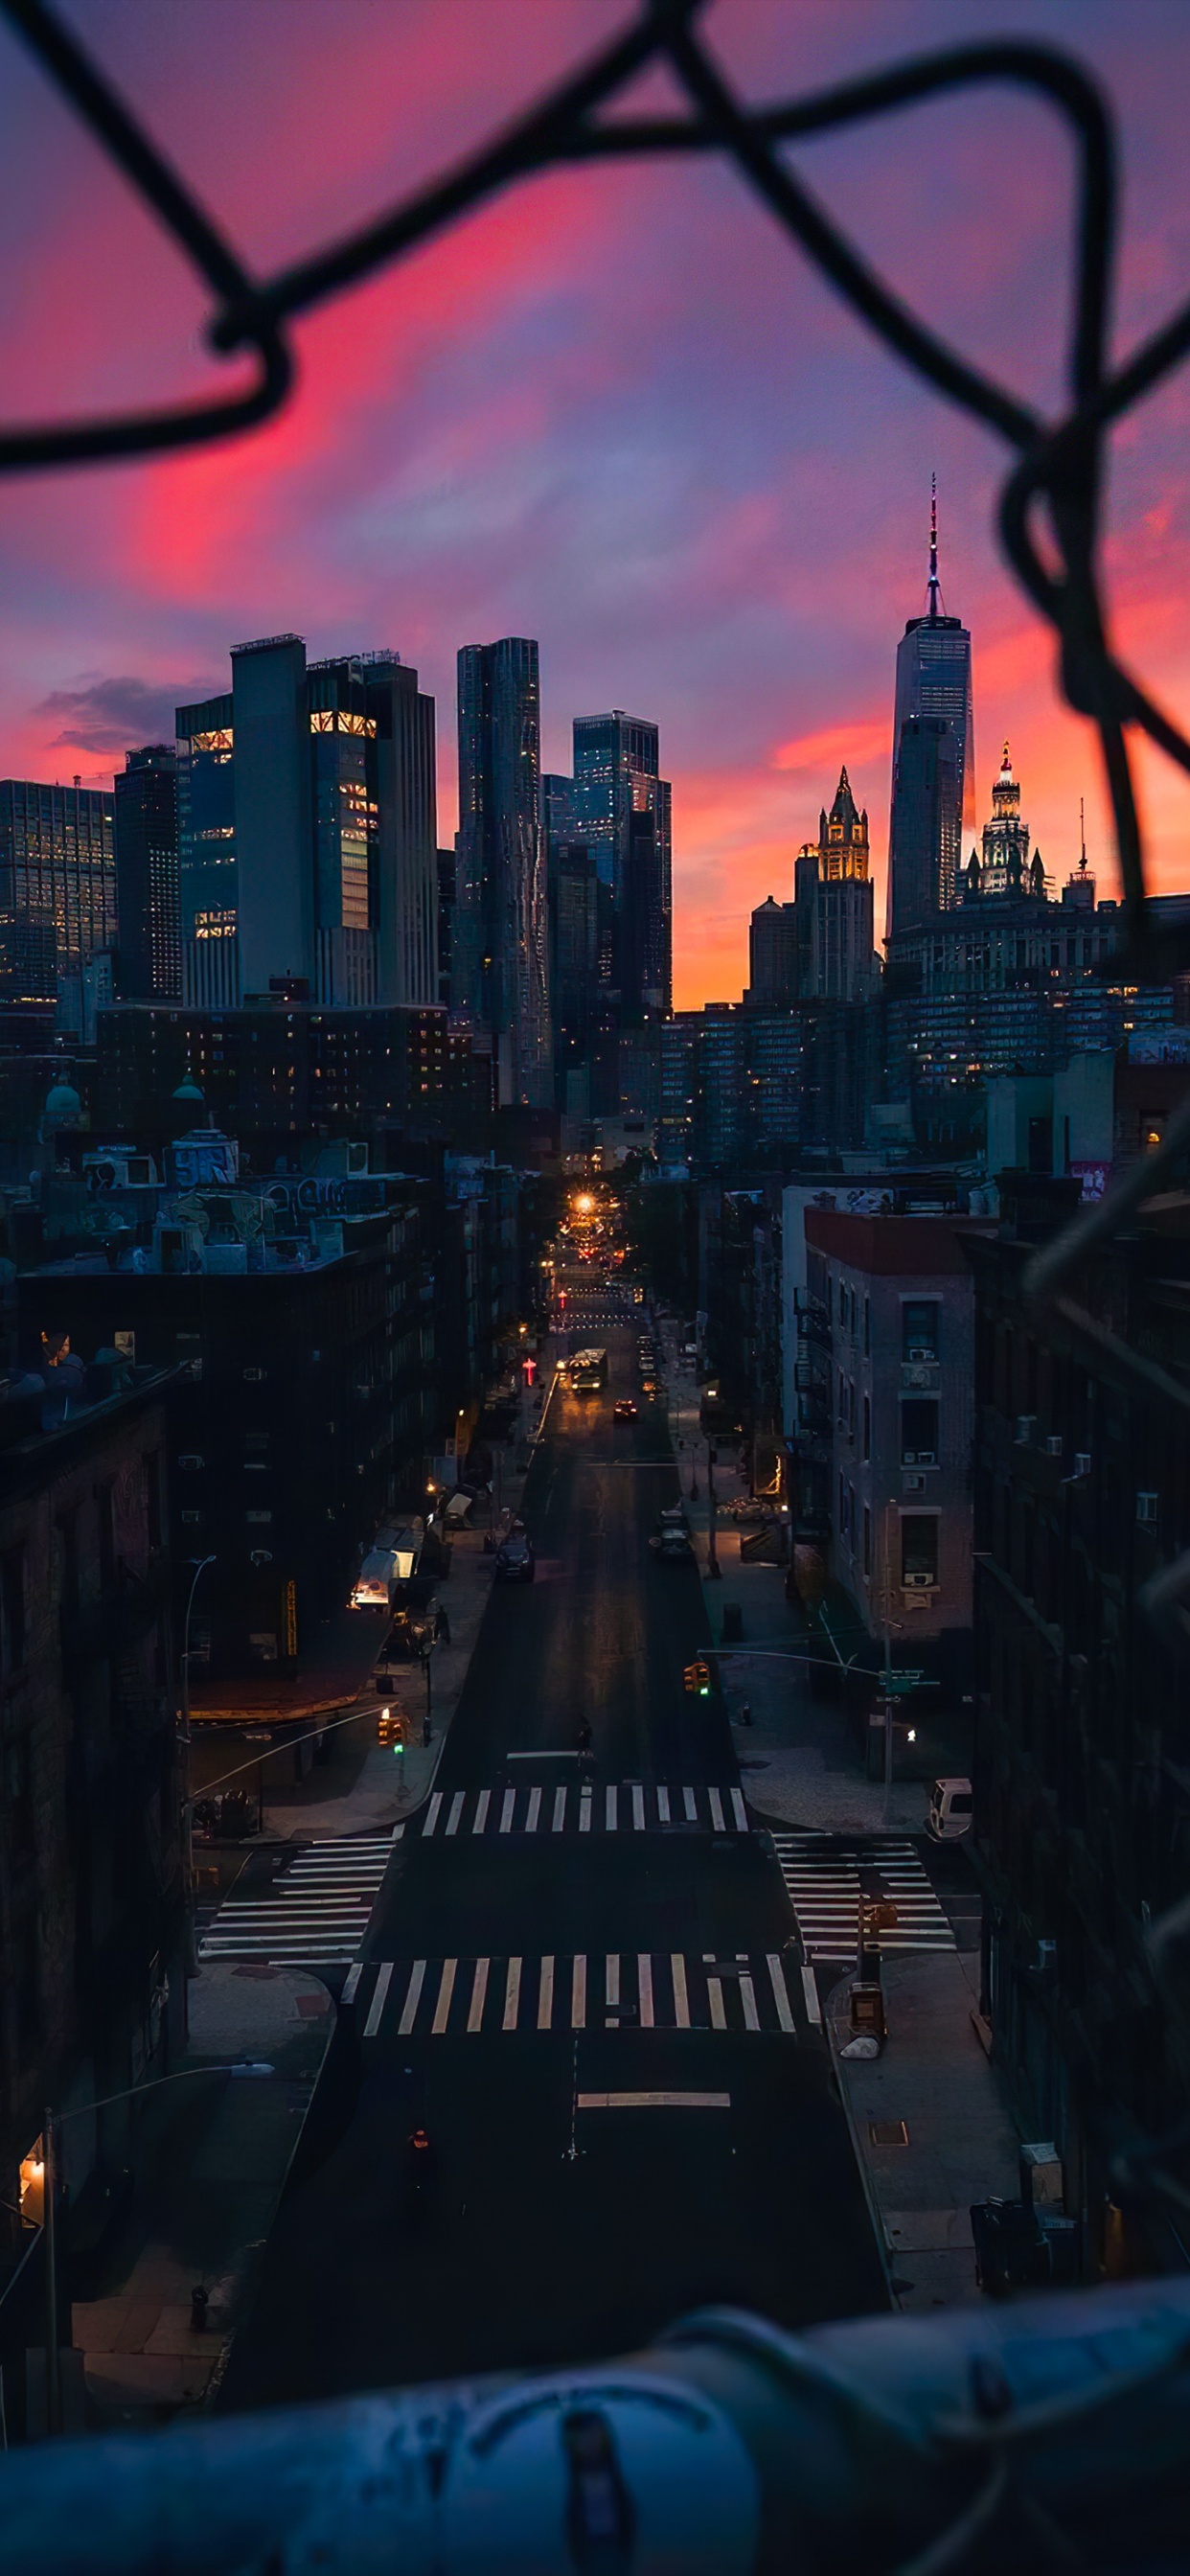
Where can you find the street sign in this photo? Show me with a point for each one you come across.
(892, 1683)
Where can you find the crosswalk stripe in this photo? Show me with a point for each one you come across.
(663, 1805)
(810, 1991)
(512, 1994)
(677, 1966)
(412, 1999)
(780, 1991)
(612, 1980)
(584, 1812)
(483, 1802)
(741, 1812)
(456, 1809)
(446, 1987)
(715, 1999)
(507, 1811)
(748, 2000)
(638, 1810)
(578, 1994)
(350, 1982)
(479, 1988)
(559, 1810)
(610, 1804)
(644, 1975)
(433, 1812)
(376, 2008)
(545, 1994)
(716, 1805)
(534, 1811)
(690, 1807)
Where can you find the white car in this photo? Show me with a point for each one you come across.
(949, 1815)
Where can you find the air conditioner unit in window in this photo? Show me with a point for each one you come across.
(919, 1582)
(1026, 1429)
(190, 1459)
(1146, 1507)
(921, 1351)
(1082, 1462)
(915, 1484)
(909, 1458)
(926, 1458)
(1053, 1446)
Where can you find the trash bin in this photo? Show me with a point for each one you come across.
(733, 1623)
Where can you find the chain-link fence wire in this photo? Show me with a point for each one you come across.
(1055, 478)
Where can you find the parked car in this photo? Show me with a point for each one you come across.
(674, 1516)
(949, 1816)
(625, 1410)
(671, 1545)
(515, 1561)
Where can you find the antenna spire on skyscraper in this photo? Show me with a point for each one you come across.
(933, 585)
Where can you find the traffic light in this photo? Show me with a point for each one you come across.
(697, 1678)
(390, 1728)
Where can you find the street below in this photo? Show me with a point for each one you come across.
(579, 1978)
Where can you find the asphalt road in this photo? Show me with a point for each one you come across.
(579, 1932)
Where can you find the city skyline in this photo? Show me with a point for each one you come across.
(466, 473)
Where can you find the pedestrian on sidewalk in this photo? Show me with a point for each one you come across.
(441, 1628)
(745, 1712)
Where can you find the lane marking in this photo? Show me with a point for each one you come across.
(717, 1816)
(654, 2102)
(681, 1998)
(610, 1816)
(559, 1810)
(741, 1812)
(446, 1987)
(545, 1993)
(691, 1809)
(398, 1831)
(512, 1994)
(663, 1805)
(479, 1988)
(534, 1811)
(507, 1811)
(780, 1991)
(483, 1802)
(351, 1981)
(644, 1977)
(412, 1999)
(432, 1814)
(638, 1811)
(376, 2008)
(810, 1991)
(578, 1994)
(456, 1809)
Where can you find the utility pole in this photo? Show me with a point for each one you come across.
(712, 1551)
(49, 2220)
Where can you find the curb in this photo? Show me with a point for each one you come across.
(869, 2189)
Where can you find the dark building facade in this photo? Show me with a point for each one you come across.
(90, 1855)
(502, 980)
(146, 845)
(57, 874)
(1082, 1765)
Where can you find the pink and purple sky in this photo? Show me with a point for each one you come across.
(615, 410)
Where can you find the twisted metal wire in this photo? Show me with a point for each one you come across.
(1056, 464)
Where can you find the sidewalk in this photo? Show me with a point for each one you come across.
(960, 2142)
(364, 1787)
(799, 1758)
(211, 2164)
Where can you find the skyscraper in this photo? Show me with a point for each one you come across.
(933, 686)
(833, 899)
(501, 916)
(57, 873)
(622, 814)
(307, 830)
(146, 840)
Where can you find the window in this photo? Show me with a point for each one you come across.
(867, 1540)
(153, 1497)
(867, 1426)
(919, 1432)
(867, 1328)
(919, 1328)
(12, 1609)
(919, 1549)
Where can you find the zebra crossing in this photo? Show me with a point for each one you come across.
(623, 1806)
(616, 1990)
(315, 1912)
(826, 1878)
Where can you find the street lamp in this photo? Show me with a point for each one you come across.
(190, 1955)
(53, 2121)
